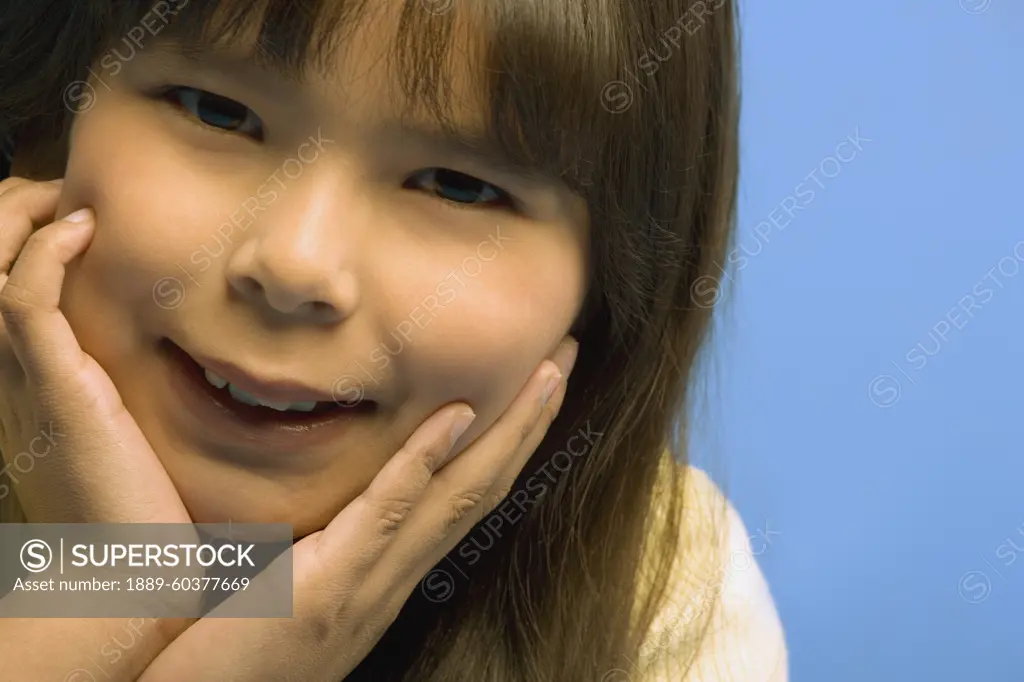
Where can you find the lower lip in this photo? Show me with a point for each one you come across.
(225, 420)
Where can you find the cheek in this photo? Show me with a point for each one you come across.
(495, 322)
(154, 208)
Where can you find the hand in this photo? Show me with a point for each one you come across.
(352, 578)
(70, 448)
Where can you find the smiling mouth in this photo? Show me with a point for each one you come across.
(252, 409)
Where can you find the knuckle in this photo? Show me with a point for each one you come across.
(391, 514)
(14, 189)
(320, 627)
(367, 631)
(525, 431)
(418, 465)
(10, 182)
(462, 504)
(47, 242)
(547, 417)
(429, 458)
(498, 495)
(16, 302)
(359, 621)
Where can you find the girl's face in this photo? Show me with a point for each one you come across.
(310, 243)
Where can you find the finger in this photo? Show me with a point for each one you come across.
(41, 337)
(565, 359)
(502, 445)
(17, 181)
(369, 523)
(12, 182)
(24, 205)
(431, 536)
(408, 473)
(429, 533)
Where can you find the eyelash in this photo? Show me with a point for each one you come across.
(500, 199)
(173, 94)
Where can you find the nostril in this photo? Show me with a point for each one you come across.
(253, 286)
(246, 285)
(293, 294)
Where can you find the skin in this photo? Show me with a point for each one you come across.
(349, 580)
(310, 290)
(318, 280)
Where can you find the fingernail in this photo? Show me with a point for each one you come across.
(79, 216)
(565, 358)
(462, 423)
(550, 387)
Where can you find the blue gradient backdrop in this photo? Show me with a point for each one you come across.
(868, 401)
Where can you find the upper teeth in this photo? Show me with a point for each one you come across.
(249, 399)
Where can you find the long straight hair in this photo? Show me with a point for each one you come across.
(634, 105)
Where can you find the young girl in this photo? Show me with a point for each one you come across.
(426, 279)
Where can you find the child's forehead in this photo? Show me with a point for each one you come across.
(527, 79)
(360, 88)
(365, 58)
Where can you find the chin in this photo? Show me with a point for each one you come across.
(239, 501)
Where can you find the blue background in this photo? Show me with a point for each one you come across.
(884, 492)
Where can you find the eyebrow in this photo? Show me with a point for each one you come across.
(480, 148)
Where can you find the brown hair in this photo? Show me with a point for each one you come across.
(633, 104)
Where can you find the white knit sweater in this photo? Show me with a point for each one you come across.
(744, 642)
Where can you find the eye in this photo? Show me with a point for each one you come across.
(215, 111)
(458, 188)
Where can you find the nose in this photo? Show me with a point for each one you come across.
(296, 263)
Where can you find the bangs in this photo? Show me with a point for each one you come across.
(541, 64)
(630, 104)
